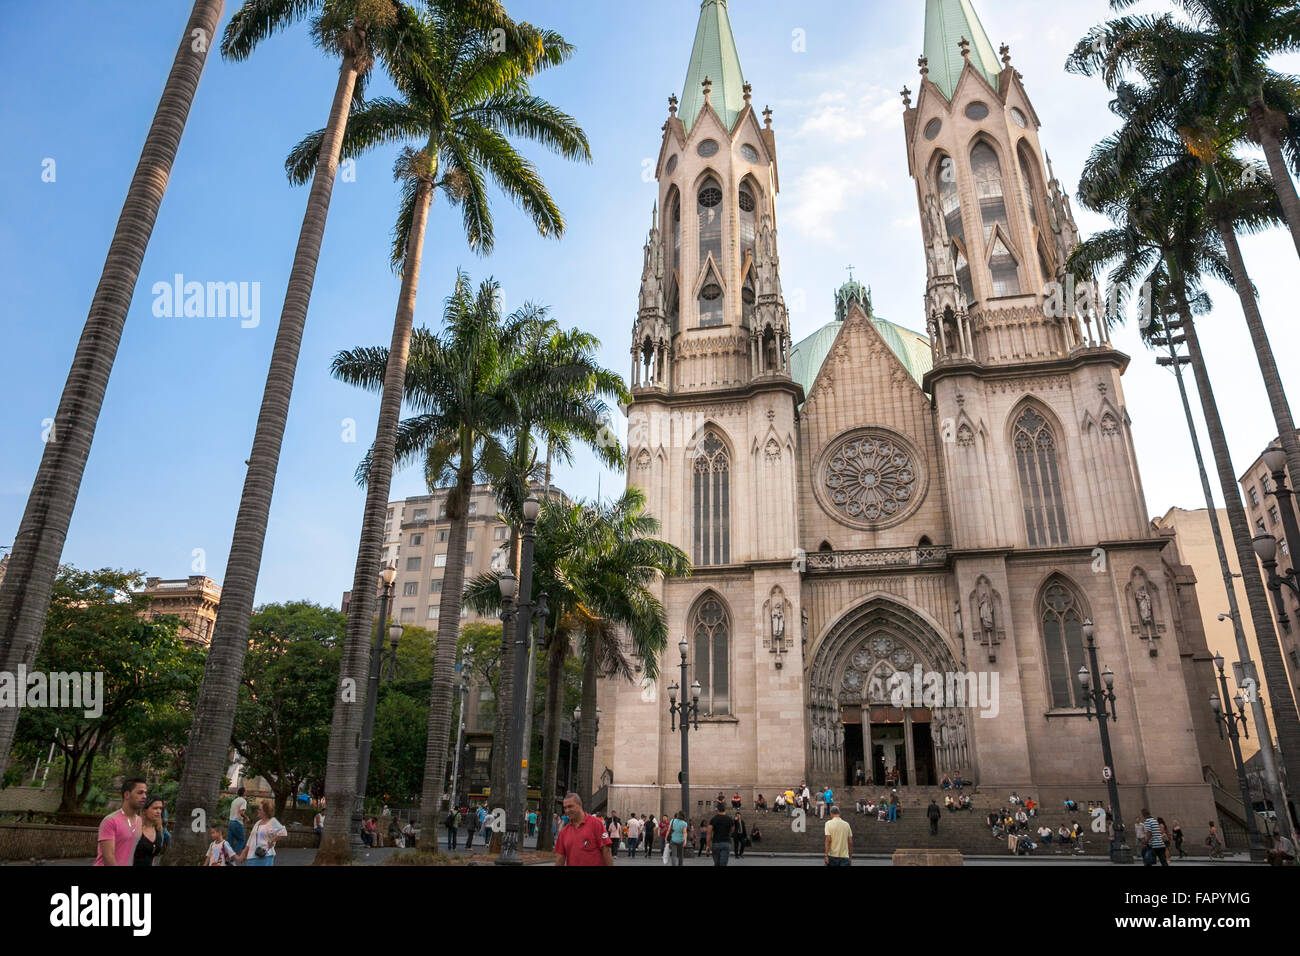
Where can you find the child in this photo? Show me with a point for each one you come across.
(219, 851)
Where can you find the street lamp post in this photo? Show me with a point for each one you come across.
(689, 710)
(386, 579)
(1098, 687)
(520, 633)
(1223, 716)
(573, 746)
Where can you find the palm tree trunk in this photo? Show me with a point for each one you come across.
(209, 742)
(587, 732)
(504, 701)
(551, 737)
(38, 545)
(350, 704)
(1267, 131)
(444, 658)
(1274, 675)
(1264, 352)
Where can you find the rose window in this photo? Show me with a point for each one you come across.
(870, 478)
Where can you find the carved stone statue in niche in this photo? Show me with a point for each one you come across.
(803, 624)
(778, 621)
(986, 604)
(1144, 607)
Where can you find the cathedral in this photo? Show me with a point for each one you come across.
(870, 508)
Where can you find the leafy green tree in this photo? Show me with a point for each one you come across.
(97, 624)
(286, 698)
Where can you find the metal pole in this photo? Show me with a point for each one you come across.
(517, 760)
(1119, 850)
(1234, 740)
(368, 721)
(1272, 780)
(460, 734)
(686, 748)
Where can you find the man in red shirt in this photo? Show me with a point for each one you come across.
(583, 840)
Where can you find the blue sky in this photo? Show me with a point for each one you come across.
(166, 469)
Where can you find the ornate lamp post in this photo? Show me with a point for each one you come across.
(573, 746)
(386, 579)
(1225, 717)
(516, 760)
(689, 712)
(1265, 546)
(1099, 694)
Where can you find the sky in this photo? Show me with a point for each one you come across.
(163, 481)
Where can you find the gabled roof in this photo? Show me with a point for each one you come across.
(912, 349)
(714, 56)
(946, 22)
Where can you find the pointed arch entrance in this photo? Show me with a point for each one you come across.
(859, 734)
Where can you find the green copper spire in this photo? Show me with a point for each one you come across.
(946, 22)
(713, 56)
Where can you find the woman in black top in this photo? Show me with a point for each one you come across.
(150, 845)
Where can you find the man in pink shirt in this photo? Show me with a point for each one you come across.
(583, 841)
(119, 830)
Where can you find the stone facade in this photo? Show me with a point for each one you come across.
(855, 513)
(194, 600)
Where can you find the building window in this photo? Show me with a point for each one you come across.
(1259, 526)
(390, 514)
(1266, 484)
(1273, 515)
(946, 179)
(442, 513)
(440, 560)
(1003, 269)
(708, 207)
(413, 564)
(711, 631)
(473, 509)
(469, 558)
(1063, 640)
(499, 533)
(442, 536)
(748, 222)
(710, 303)
(435, 586)
(1254, 497)
(464, 611)
(433, 612)
(988, 188)
(1285, 550)
(1040, 481)
(417, 540)
(421, 514)
(410, 589)
(407, 615)
(712, 502)
(469, 534)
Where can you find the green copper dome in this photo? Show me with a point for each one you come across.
(946, 22)
(714, 56)
(912, 348)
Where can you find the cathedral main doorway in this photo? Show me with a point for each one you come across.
(863, 733)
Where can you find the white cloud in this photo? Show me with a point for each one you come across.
(821, 193)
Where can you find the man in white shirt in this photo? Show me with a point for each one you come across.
(633, 834)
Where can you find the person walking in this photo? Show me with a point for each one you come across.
(677, 832)
(839, 840)
(471, 825)
(932, 813)
(120, 829)
(532, 823)
(151, 843)
(1156, 849)
(452, 823)
(219, 851)
(1214, 843)
(828, 799)
(649, 827)
(892, 816)
(739, 835)
(1178, 839)
(266, 832)
(583, 841)
(235, 831)
(318, 822)
(718, 841)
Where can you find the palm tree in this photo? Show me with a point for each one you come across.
(1220, 52)
(1165, 239)
(599, 565)
(34, 559)
(562, 393)
(468, 95)
(1206, 90)
(357, 31)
